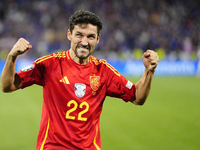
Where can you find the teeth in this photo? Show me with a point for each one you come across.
(83, 49)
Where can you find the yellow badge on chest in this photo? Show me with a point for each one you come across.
(95, 82)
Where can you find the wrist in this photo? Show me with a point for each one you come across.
(12, 56)
(150, 70)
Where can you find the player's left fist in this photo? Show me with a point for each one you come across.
(150, 60)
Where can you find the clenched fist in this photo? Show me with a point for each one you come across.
(150, 60)
(20, 47)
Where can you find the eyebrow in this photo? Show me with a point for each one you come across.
(94, 35)
(78, 32)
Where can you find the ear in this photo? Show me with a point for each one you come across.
(69, 35)
(98, 38)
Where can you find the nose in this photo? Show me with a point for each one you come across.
(84, 41)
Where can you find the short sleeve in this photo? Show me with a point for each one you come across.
(118, 86)
(32, 74)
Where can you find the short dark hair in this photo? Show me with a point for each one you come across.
(83, 16)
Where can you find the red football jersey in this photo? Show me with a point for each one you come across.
(73, 96)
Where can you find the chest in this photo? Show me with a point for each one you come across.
(77, 83)
(76, 93)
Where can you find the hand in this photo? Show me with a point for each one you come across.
(20, 47)
(150, 60)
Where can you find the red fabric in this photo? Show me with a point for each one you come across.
(70, 120)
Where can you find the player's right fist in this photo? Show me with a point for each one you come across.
(20, 47)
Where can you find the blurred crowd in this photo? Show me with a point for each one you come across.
(129, 26)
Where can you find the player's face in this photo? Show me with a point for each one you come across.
(83, 39)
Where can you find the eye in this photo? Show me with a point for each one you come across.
(78, 35)
(91, 37)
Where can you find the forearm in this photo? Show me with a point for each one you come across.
(143, 87)
(9, 80)
(8, 74)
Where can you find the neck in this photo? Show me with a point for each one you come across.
(78, 60)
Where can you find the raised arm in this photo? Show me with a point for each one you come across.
(9, 80)
(143, 86)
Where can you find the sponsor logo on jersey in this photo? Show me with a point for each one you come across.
(129, 85)
(79, 89)
(65, 80)
(28, 68)
(95, 82)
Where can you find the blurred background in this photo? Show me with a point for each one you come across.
(130, 27)
(169, 119)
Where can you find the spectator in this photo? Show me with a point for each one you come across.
(151, 24)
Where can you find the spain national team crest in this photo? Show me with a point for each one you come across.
(79, 89)
(95, 82)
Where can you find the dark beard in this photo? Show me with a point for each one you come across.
(82, 57)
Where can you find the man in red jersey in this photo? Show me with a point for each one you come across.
(75, 85)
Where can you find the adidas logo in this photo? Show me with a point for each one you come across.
(65, 80)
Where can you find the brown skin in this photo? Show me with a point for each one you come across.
(83, 39)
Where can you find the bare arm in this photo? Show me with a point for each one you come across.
(9, 80)
(143, 86)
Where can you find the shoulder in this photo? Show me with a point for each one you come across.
(104, 65)
(50, 58)
(99, 61)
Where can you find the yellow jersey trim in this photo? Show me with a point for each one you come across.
(68, 54)
(59, 55)
(42, 59)
(42, 146)
(107, 64)
(95, 144)
(111, 67)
